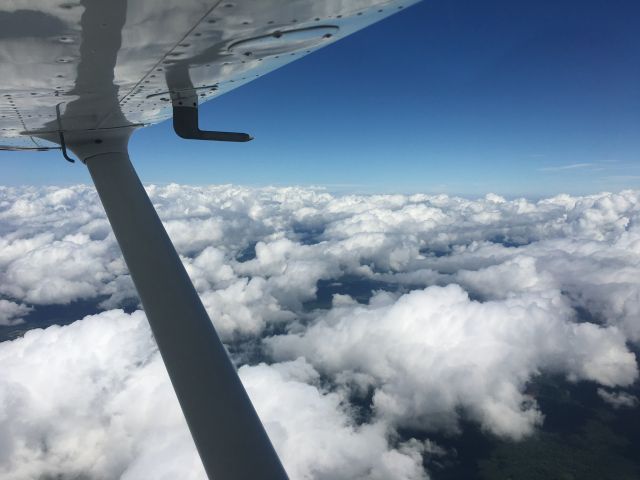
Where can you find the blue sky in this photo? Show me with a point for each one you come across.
(456, 96)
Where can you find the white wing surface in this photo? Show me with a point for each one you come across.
(123, 67)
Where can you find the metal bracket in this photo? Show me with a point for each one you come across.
(63, 145)
(185, 124)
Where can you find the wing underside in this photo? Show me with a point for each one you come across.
(125, 66)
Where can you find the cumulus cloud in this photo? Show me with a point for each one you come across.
(416, 309)
(92, 399)
(56, 246)
(10, 312)
(314, 433)
(618, 399)
(432, 351)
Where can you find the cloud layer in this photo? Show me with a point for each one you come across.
(356, 316)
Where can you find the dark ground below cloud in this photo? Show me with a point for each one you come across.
(43, 316)
(582, 438)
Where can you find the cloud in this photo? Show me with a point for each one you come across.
(58, 247)
(83, 400)
(354, 316)
(571, 166)
(315, 435)
(431, 352)
(11, 312)
(92, 399)
(618, 399)
(63, 270)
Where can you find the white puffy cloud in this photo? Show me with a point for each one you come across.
(81, 400)
(432, 351)
(618, 399)
(63, 270)
(315, 435)
(56, 246)
(93, 400)
(482, 296)
(10, 312)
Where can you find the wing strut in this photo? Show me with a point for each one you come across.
(227, 432)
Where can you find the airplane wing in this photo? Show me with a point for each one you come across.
(122, 63)
(81, 75)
